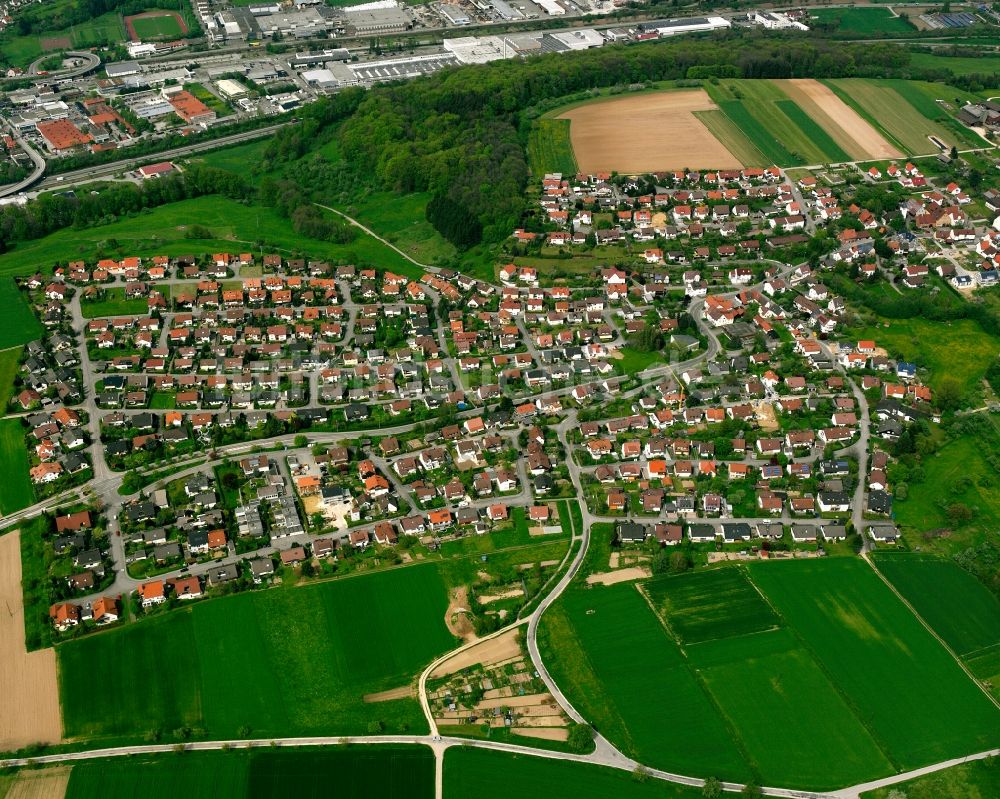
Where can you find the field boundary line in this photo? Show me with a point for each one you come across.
(870, 561)
(859, 109)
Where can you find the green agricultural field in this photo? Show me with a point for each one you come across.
(970, 65)
(732, 137)
(861, 21)
(778, 121)
(932, 345)
(900, 110)
(320, 649)
(977, 780)
(550, 148)
(9, 362)
(918, 703)
(358, 773)
(472, 772)
(164, 231)
(623, 671)
(402, 220)
(707, 605)
(16, 491)
(159, 27)
(955, 604)
(796, 728)
(19, 324)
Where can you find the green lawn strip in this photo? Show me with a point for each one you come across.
(903, 685)
(19, 324)
(317, 650)
(977, 780)
(809, 128)
(35, 560)
(470, 772)
(165, 230)
(16, 491)
(707, 605)
(732, 137)
(796, 727)
(627, 676)
(768, 144)
(9, 361)
(953, 602)
(550, 148)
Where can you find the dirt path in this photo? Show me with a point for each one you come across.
(646, 133)
(503, 647)
(855, 135)
(402, 692)
(456, 617)
(620, 576)
(29, 689)
(47, 783)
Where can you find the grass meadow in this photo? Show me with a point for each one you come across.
(19, 325)
(9, 361)
(370, 772)
(550, 148)
(977, 780)
(959, 65)
(290, 661)
(22, 50)
(16, 491)
(165, 231)
(862, 21)
(402, 220)
(909, 691)
(474, 772)
(114, 304)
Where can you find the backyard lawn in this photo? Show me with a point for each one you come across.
(19, 324)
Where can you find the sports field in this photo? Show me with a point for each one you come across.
(624, 672)
(19, 324)
(550, 148)
(646, 132)
(904, 112)
(378, 772)
(476, 773)
(712, 604)
(16, 491)
(293, 661)
(154, 25)
(918, 703)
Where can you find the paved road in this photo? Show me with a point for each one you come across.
(37, 171)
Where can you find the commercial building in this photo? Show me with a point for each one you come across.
(231, 88)
(453, 14)
(671, 27)
(121, 69)
(191, 109)
(61, 134)
(382, 20)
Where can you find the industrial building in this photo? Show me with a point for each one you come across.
(672, 27)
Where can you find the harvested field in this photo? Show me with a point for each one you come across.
(56, 43)
(503, 647)
(46, 783)
(28, 685)
(620, 576)
(846, 127)
(647, 133)
(545, 733)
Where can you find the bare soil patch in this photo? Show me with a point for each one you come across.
(456, 617)
(510, 594)
(56, 43)
(402, 692)
(545, 733)
(503, 647)
(47, 783)
(647, 133)
(29, 688)
(766, 418)
(854, 134)
(620, 576)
